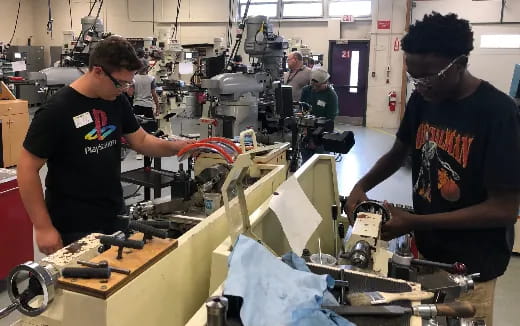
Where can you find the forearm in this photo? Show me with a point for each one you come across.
(157, 147)
(156, 101)
(481, 216)
(387, 165)
(32, 197)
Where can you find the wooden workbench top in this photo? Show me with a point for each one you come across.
(137, 261)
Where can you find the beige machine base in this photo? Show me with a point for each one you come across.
(170, 291)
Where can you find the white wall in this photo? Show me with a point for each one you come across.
(25, 28)
(493, 65)
(382, 57)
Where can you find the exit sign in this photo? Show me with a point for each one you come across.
(347, 19)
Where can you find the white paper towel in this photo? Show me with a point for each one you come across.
(298, 216)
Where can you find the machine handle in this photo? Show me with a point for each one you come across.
(86, 272)
(341, 231)
(4, 312)
(334, 209)
(462, 309)
(111, 241)
(147, 229)
(242, 137)
(457, 268)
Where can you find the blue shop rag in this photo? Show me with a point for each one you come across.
(276, 294)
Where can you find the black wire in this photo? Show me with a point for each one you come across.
(70, 14)
(153, 17)
(16, 23)
(238, 41)
(174, 33)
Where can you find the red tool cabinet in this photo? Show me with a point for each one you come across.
(16, 231)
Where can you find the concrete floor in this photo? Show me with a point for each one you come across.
(370, 145)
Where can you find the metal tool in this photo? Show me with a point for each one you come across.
(343, 288)
(104, 264)
(335, 212)
(42, 280)
(7, 310)
(319, 248)
(113, 241)
(454, 309)
(217, 311)
(86, 272)
(148, 231)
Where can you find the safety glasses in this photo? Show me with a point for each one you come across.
(430, 80)
(119, 84)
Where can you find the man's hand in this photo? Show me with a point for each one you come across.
(357, 195)
(48, 240)
(400, 223)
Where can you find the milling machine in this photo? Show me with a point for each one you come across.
(236, 97)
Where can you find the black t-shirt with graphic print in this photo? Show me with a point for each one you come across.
(460, 151)
(81, 139)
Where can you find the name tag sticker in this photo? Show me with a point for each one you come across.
(82, 119)
(321, 103)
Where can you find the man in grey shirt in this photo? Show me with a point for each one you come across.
(144, 94)
(298, 75)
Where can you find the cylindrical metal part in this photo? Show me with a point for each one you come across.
(361, 254)
(425, 311)
(217, 310)
(46, 278)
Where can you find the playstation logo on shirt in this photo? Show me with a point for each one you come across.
(102, 129)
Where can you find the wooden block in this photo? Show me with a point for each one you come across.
(137, 261)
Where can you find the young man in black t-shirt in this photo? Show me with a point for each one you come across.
(464, 136)
(78, 134)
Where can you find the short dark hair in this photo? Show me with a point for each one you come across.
(444, 35)
(114, 53)
(298, 55)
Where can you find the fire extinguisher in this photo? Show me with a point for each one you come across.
(392, 100)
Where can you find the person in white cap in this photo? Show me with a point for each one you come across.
(322, 98)
(320, 95)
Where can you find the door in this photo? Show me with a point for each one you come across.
(348, 66)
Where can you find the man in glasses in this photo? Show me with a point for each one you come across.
(298, 75)
(464, 136)
(77, 133)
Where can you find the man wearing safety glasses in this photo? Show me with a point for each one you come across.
(78, 134)
(464, 136)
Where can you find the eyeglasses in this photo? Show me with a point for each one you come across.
(429, 80)
(119, 84)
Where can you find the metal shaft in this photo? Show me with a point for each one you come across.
(7, 310)
(104, 264)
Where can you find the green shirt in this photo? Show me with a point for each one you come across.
(324, 103)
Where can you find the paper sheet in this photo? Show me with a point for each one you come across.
(185, 68)
(296, 213)
(19, 65)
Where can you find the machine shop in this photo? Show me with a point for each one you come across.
(259, 162)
